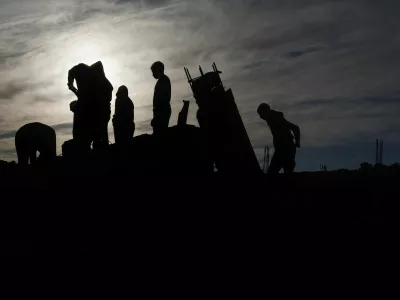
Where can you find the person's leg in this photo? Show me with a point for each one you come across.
(82, 131)
(119, 134)
(163, 123)
(100, 139)
(160, 122)
(116, 137)
(101, 130)
(127, 132)
(104, 133)
(166, 118)
(155, 125)
(276, 163)
(289, 167)
(96, 132)
(48, 148)
(289, 162)
(124, 135)
(96, 139)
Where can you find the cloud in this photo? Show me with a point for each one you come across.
(7, 151)
(146, 3)
(7, 135)
(298, 53)
(62, 126)
(58, 128)
(11, 89)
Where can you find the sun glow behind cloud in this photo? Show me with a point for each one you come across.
(85, 44)
(88, 50)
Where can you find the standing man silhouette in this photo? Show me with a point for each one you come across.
(285, 147)
(161, 99)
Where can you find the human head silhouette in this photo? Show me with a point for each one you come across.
(98, 69)
(263, 110)
(122, 91)
(158, 69)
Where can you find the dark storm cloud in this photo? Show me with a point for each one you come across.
(376, 101)
(143, 126)
(12, 89)
(7, 151)
(298, 53)
(7, 135)
(62, 126)
(150, 3)
(57, 127)
(5, 56)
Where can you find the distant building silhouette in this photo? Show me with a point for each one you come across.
(283, 133)
(161, 99)
(123, 119)
(32, 138)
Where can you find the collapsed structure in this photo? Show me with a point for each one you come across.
(220, 120)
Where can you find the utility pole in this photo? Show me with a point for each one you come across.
(265, 158)
(379, 151)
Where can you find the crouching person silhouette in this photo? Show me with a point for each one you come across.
(285, 147)
(32, 138)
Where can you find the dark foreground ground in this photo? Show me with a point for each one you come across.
(285, 235)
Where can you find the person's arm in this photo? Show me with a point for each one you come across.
(296, 131)
(71, 78)
(162, 96)
(164, 92)
(168, 91)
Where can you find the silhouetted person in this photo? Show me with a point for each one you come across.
(82, 130)
(102, 96)
(161, 99)
(123, 119)
(283, 133)
(32, 138)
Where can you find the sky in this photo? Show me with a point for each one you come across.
(331, 66)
